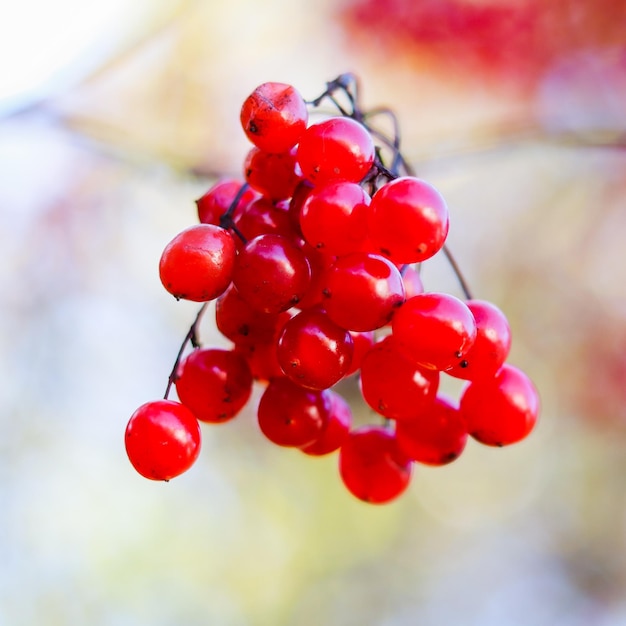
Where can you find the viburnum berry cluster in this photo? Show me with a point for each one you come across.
(313, 260)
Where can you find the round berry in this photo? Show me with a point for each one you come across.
(336, 428)
(333, 218)
(335, 149)
(214, 384)
(162, 439)
(435, 329)
(218, 199)
(198, 263)
(491, 346)
(394, 385)
(501, 410)
(272, 273)
(437, 437)
(290, 415)
(362, 291)
(408, 220)
(371, 465)
(313, 351)
(274, 116)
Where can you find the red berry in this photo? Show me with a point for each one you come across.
(491, 346)
(217, 200)
(290, 415)
(333, 218)
(436, 437)
(214, 384)
(435, 329)
(313, 351)
(198, 263)
(408, 220)
(362, 341)
(362, 291)
(272, 273)
(335, 149)
(275, 175)
(274, 116)
(335, 430)
(263, 216)
(371, 465)
(502, 410)
(243, 324)
(162, 439)
(394, 385)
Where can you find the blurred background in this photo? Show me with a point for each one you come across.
(114, 118)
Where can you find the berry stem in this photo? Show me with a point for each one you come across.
(226, 221)
(191, 336)
(459, 275)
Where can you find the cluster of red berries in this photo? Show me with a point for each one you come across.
(313, 260)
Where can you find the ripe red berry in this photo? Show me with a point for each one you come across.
(491, 346)
(335, 430)
(217, 200)
(274, 116)
(335, 149)
(243, 324)
(362, 291)
(262, 216)
(435, 329)
(408, 220)
(290, 415)
(371, 465)
(362, 341)
(275, 175)
(272, 273)
(162, 439)
(394, 385)
(333, 218)
(214, 384)
(436, 437)
(501, 410)
(313, 351)
(198, 263)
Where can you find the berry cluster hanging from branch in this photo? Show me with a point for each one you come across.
(313, 260)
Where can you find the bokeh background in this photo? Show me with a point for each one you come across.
(114, 118)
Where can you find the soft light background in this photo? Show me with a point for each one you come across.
(115, 117)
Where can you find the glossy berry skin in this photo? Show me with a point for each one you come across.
(491, 346)
(262, 217)
(217, 200)
(290, 415)
(336, 428)
(271, 273)
(214, 384)
(362, 341)
(333, 218)
(243, 324)
(198, 263)
(275, 175)
(372, 467)
(261, 358)
(437, 437)
(362, 291)
(434, 329)
(313, 351)
(501, 410)
(393, 385)
(336, 149)
(408, 220)
(274, 116)
(162, 439)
